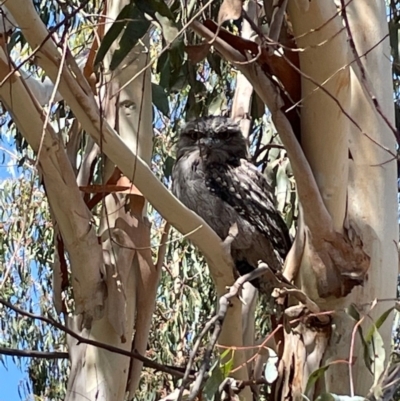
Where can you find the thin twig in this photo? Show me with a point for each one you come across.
(353, 339)
(53, 30)
(329, 94)
(311, 31)
(339, 105)
(344, 67)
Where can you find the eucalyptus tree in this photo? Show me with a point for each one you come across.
(310, 84)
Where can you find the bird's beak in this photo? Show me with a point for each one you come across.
(205, 142)
(205, 145)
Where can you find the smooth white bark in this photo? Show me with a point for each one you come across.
(370, 197)
(324, 128)
(74, 219)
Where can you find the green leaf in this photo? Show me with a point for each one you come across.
(282, 186)
(378, 324)
(312, 379)
(212, 384)
(168, 164)
(164, 69)
(374, 350)
(218, 103)
(160, 99)
(378, 355)
(214, 59)
(154, 7)
(177, 54)
(226, 367)
(257, 106)
(135, 29)
(169, 29)
(112, 34)
(353, 312)
(160, 12)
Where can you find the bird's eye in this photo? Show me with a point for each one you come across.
(194, 135)
(224, 135)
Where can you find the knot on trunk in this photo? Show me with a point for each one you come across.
(339, 263)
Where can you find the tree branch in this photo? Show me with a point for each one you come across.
(33, 354)
(216, 322)
(77, 93)
(146, 361)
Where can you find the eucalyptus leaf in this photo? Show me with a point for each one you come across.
(312, 379)
(226, 366)
(135, 29)
(160, 99)
(116, 28)
(353, 312)
(217, 104)
(378, 324)
(215, 379)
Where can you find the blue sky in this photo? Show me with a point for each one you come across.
(10, 375)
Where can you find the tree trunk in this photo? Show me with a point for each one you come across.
(347, 234)
(357, 182)
(130, 275)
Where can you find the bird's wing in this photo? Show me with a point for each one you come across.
(248, 192)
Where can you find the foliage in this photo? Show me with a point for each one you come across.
(26, 253)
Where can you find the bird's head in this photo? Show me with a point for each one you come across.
(218, 140)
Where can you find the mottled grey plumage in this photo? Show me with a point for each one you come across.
(213, 177)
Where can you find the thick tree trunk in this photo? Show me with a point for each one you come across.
(131, 277)
(358, 184)
(347, 234)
